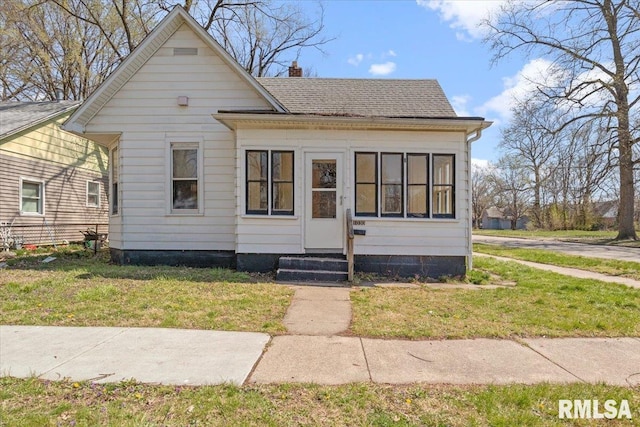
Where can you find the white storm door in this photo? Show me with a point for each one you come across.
(324, 210)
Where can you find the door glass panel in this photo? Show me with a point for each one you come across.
(324, 174)
(323, 187)
(324, 204)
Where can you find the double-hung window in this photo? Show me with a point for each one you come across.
(269, 182)
(93, 194)
(115, 177)
(31, 197)
(401, 185)
(185, 177)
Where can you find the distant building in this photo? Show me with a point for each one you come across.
(495, 218)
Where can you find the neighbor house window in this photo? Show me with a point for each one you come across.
(115, 176)
(31, 197)
(269, 182)
(185, 191)
(400, 185)
(93, 194)
(366, 184)
(443, 187)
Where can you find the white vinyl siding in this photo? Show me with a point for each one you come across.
(384, 235)
(145, 113)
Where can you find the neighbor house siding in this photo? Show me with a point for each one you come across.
(384, 236)
(64, 163)
(146, 114)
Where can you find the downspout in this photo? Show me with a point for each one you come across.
(477, 134)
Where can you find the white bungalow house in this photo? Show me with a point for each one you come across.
(210, 166)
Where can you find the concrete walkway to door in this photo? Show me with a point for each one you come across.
(319, 311)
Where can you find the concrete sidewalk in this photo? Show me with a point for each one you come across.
(574, 272)
(188, 357)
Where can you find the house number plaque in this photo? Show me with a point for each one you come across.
(358, 222)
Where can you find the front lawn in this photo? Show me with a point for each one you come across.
(541, 304)
(33, 402)
(610, 267)
(78, 289)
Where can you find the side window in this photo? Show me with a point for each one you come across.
(93, 194)
(115, 176)
(366, 171)
(443, 186)
(31, 197)
(185, 191)
(269, 182)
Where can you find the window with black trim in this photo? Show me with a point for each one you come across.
(384, 189)
(418, 185)
(391, 184)
(115, 173)
(366, 171)
(443, 186)
(269, 182)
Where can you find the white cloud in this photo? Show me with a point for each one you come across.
(480, 163)
(459, 104)
(382, 69)
(391, 52)
(356, 59)
(517, 87)
(463, 15)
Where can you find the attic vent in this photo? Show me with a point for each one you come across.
(180, 51)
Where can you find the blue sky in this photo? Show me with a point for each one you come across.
(413, 39)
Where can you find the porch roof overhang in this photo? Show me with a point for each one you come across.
(268, 120)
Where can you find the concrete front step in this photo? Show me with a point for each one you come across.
(291, 275)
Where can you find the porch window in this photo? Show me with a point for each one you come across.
(115, 172)
(269, 182)
(418, 185)
(93, 194)
(391, 184)
(184, 177)
(31, 197)
(443, 186)
(366, 184)
(406, 185)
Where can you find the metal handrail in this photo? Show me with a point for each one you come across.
(350, 236)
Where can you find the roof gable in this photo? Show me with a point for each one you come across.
(149, 46)
(16, 117)
(360, 97)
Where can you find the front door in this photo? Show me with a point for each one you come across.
(324, 217)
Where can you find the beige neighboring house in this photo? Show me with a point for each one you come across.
(52, 183)
(211, 166)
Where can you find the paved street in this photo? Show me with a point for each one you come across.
(582, 249)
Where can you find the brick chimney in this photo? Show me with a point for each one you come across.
(294, 70)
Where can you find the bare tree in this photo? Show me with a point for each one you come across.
(513, 187)
(595, 48)
(482, 192)
(529, 137)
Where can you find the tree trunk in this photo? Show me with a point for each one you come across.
(626, 226)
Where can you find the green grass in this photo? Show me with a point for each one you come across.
(599, 265)
(33, 402)
(541, 304)
(558, 234)
(79, 290)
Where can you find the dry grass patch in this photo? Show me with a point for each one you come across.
(33, 402)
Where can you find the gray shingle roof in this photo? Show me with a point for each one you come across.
(17, 116)
(360, 97)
